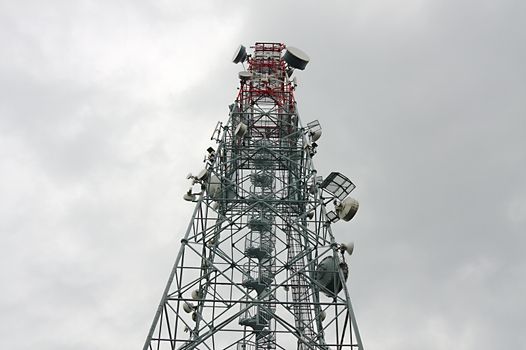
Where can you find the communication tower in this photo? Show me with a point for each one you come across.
(258, 266)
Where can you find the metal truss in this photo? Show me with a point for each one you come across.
(249, 274)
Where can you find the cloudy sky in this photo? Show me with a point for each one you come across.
(105, 106)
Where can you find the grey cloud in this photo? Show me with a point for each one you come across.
(422, 104)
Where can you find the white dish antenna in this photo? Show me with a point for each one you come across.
(314, 130)
(347, 208)
(347, 247)
(245, 75)
(202, 176)
(189, 197)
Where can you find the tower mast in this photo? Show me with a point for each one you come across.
(258, 266)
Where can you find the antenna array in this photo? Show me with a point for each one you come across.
(258, 267)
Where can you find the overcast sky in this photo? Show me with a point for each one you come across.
(105, 106)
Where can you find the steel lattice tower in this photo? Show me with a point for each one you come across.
(258, 267)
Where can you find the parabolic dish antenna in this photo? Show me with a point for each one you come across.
(296, 58)
(240, 55)
(244, 75)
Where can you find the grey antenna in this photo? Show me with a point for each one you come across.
(332, 216)
(338, 185)
(314, 130)
(240, 55)
(296, 58)
(244, 75)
